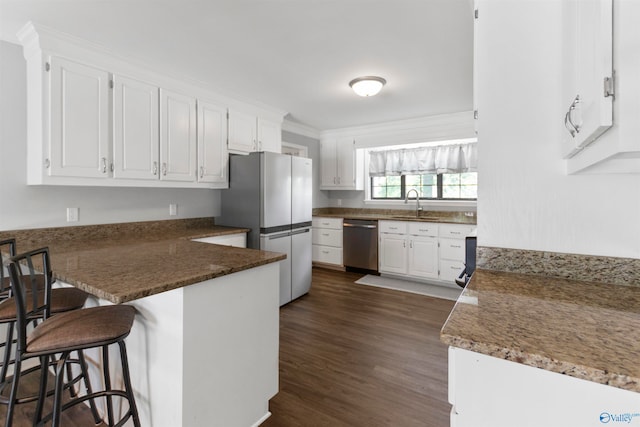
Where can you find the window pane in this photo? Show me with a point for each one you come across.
(469, 192)
(450, 191)
(412, 180)
(430, 191)
(379, 192)
(429, 179)
(450, 179)
(394, 192)
(394, 180)
(378, 181)
(469, 178)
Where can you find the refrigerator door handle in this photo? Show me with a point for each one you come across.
(304, 230)
(279, 235)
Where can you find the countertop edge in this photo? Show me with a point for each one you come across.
(587, 373)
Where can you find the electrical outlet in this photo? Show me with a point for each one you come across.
(173, 209)
(73, 214)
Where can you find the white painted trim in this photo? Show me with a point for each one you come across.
(262, 419)
(442, 127)
(300, 129)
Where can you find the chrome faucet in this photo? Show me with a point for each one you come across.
(406, 200)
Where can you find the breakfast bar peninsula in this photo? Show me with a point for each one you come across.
(204, 346)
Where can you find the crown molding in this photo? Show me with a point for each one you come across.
(300, 129)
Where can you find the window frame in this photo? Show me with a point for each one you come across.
(403, 191)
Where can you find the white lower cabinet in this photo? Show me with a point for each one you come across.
(422, 250)
(408, 248)
(452, 250)
(327, 241)
(487, 391)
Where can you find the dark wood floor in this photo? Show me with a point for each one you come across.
(354, 355)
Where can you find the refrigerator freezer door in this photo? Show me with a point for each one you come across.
(280, 242)
(275, 194)
(300, 262)
(301, 190)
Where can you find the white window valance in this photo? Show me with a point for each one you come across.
(454, 158)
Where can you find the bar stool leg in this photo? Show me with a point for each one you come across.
(87, 383)
(127, 384)
(13, 395)
(7, 352)
(57, 397)
(107, 383)
(42, 393)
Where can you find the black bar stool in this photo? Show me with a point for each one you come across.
(61, 300)
(58, 336)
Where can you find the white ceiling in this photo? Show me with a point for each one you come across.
(296, 55)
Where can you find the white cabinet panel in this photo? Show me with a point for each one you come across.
(588, 60)
(450, 270)
(213, 158)
(423, 257)
(341, 165)
(327, 254)
(392, 253)
(135, 129)
(269, 135)
(393, 227)
(327, 240)
(242, 131)
(422, 229)
(324, 222)
(452, 249)
(79, 120)
(327, 237)
(177, 137)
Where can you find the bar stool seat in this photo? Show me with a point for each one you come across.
(81, 329)
(62, 300)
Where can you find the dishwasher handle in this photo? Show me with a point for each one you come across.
(346, 224)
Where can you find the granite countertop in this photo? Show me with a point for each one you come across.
(124, 262)
(452, 217)
(583, 329)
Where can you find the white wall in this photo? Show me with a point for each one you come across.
(526, 200)
(22, 206)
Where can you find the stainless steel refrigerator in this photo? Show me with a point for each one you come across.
(271, 194)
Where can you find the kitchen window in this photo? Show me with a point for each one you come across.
(444, 186)
(444, 171)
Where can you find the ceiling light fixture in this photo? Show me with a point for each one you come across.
(367, 86)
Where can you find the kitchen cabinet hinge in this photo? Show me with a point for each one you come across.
(475, 13)
(47, 66)
(608, 83)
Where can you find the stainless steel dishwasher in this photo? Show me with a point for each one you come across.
(360, 244)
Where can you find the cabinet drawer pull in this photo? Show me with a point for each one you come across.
(393, 228)
(201, 171)
(325, 234)
(454, 232)
(325, 252)
(155, 168)
(104, 165)
(164, 168)
(456, 246)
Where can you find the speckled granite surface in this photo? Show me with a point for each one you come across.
(123, 262)
(620, 271)
(397, 214)
(583, 329)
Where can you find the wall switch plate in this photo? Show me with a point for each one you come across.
(73, 214)
(173, 209)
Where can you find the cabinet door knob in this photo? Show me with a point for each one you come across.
(104, 165)
(164, 168)
(155, 168)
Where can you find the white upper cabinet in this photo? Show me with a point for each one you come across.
(340, 164)
(79, 139)
(177, 136)
(135, 129)
(103, 121)
(213, 158)
(588, 69)
(269, 135)
(248, 133)
(243, 132)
